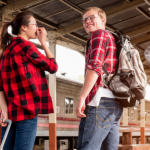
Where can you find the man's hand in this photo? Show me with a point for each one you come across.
(80, 109)
(4, 117)
(90, 80)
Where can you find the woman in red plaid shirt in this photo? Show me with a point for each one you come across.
(24, 90)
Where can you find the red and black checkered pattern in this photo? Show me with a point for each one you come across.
(101, 50)
(23, 80)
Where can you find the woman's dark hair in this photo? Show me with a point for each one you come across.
(20, 19)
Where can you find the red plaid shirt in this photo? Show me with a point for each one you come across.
(23, 80)
(101, 50)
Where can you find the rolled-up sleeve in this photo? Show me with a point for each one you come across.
(1, 81)
(47, 64)
(97, 50)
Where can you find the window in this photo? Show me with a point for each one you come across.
(69, 105)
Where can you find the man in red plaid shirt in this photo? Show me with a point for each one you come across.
(100, 113)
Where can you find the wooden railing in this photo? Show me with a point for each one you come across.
(127, 140)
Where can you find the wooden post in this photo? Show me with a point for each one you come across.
(125, 117)
(52, 88)
(126, 135)
(142, 121)
(137, 140)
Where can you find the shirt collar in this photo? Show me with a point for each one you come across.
(18, 38)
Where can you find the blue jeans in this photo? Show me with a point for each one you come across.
(21, 135)
(100, 129)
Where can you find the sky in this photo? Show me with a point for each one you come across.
(70, 62)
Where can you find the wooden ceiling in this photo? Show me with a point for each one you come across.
(131, 17)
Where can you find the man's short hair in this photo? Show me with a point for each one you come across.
(100, 12)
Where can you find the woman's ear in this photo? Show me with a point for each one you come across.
(23, 28)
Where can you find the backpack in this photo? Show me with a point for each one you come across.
(129, 80)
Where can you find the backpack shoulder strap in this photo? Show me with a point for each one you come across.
(120, 39)
(105, 71)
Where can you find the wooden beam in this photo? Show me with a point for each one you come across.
(144, 62)
(70, 28)
(39, 19)
(117, 23)
(78, 37)
(20, 4)
(46, 22)
(142, 57)
(17, 5)
(9, 17)
(57, 13)
(139, 47)
(3, 2)
(116, 11)
(109, 27)
(62, 38)
(73, 6)
(141, 39)
(138, 31)
(75, 47)
(3, 18)
(40, 4)
(127, 6)
(77, 26)
(147, 70)
(84, 2)
(143, 13)
(67, 9)
(147, 2)
(43, 21)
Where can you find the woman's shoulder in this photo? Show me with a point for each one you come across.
(31, 44)
(21, 40)
(20, 44)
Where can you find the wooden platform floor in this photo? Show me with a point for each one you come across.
(134, 147)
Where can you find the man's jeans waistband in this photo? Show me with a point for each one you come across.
(102, 100)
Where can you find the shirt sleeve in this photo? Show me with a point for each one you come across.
(47, 64)
(1, 81)
(97, 51)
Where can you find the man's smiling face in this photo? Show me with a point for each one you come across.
(92, 21)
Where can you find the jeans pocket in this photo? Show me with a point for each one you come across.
(104, 116)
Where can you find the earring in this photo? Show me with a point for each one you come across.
(9, 31)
